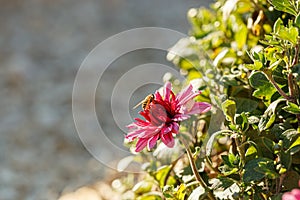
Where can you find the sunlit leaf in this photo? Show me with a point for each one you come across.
(285, 6)
(229, 109)
(263, 88)
(142, 187)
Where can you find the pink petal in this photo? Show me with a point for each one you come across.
(167, 90)
(141, 144)
(198, 108)
(188, 97)
(175, 127)
(288, 196)
(180, 117)
(134, 134)
(168, 139)
(152, 141)
(185, 92)
(167, 129)
(296, 193)
(149, 131)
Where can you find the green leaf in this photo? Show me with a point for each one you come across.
(292, 108)
(142, 187)
(266, 121)
(277, 25)
(251, 153)
(285, 6)
(290, 34)
(285, 159)
(226, 182)
(256, 169)
(257, 65)
(161, 174)
(229, 109)
(180, 193)
(288, 137)
(268, 169)
(297, 20)
(231, 160)
(149, 196)
(269, 116)
(268, 143)
(295, 147)
(263, 88)
(197, 193)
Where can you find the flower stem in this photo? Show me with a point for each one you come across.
(195, 170)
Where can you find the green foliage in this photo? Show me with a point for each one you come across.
(245, 55)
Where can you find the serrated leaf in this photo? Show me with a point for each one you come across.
(229, 109)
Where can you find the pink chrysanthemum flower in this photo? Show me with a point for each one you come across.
(292, 195)
(163, 115)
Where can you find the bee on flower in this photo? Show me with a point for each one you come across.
(162, 117)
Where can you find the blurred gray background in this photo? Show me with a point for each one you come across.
(43, 43)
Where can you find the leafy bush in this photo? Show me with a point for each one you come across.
(248, 146)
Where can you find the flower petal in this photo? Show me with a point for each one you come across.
(185, 92)
(168, 139)
(166, 129)
(167, 90)
(141, 144)
(152, 141)
(198, 108)
(180, 117)
(175, 127)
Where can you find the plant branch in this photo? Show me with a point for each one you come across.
(172, 167)
(280, 91)
(240, 149)
(195, 170)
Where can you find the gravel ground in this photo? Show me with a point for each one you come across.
(43, 43)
